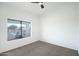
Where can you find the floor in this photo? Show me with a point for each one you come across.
(40, 48)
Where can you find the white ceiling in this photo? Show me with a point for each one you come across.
(35, 8)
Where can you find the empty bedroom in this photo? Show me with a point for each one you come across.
(39, 28)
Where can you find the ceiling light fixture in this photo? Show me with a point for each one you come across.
(40, 4)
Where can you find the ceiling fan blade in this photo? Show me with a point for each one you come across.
(35, 2)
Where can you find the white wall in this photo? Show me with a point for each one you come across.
(78, 27)
(7, 11)
(59, 26)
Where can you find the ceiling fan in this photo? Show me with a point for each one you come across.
(40, 3)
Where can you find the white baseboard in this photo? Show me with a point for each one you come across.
(1, 51)
(58, 45)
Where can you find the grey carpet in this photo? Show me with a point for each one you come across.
(41, 49)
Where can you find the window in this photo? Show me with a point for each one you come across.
(18, 29)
